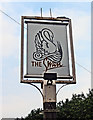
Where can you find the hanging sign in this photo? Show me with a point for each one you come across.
(44, 49)
(47, 49)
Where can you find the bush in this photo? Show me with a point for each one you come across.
(80, 107)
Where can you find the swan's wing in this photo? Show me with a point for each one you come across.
(59, 48)
(38, 41)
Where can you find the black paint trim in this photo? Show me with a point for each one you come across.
(52, 23)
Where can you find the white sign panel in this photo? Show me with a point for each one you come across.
(47, 49)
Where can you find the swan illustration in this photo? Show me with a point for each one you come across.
(46, 48)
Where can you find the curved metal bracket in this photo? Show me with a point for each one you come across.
(38, 89)
(61, 88)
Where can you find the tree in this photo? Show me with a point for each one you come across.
(80, 107)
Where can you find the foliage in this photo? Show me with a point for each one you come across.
(33, 115)
(80, 107)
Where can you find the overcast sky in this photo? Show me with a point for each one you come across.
(91, 44)
(19, 99)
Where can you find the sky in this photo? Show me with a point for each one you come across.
(91, 44)
(19, 99)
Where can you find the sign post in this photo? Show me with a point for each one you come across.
(45, 57)
(49, 92)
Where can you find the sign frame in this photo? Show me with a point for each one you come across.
(63, 20)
